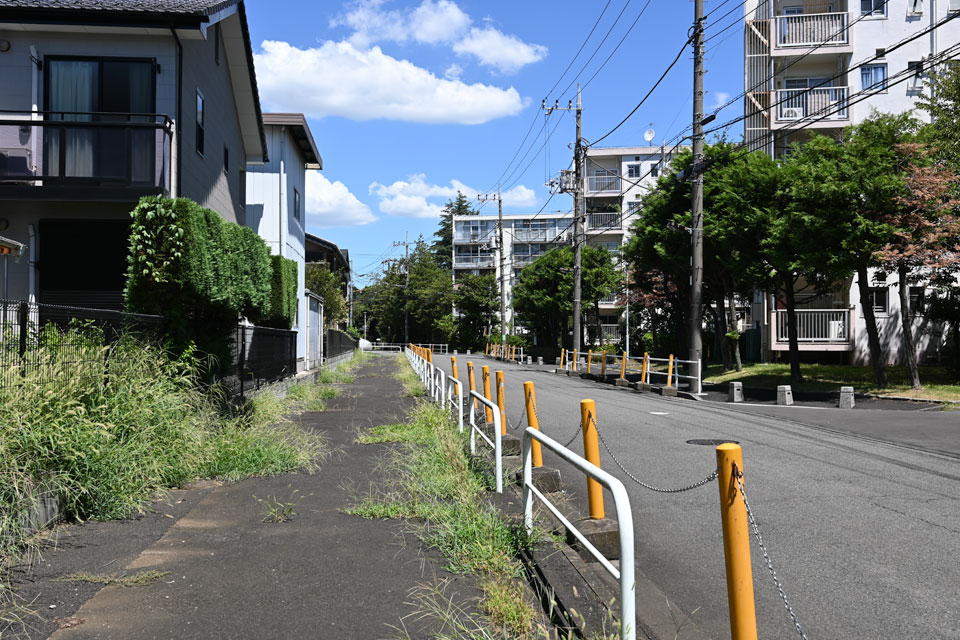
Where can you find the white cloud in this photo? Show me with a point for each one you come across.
(330, 204)
(719, 98)
(337, 79)
(410, 197)
(453, 72)
(495, 49)
(438, 22)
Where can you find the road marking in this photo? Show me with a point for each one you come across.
(659, 413)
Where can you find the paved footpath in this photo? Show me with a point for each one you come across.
(323, 574)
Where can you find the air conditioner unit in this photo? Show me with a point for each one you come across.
(791, 113)
(838, 330)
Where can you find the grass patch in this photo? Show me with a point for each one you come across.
(435, 483)
(140, 579)
(398, 432)
(277, 511)
(306, 396)
(938, 384)
(408, 378)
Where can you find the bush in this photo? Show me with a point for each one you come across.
(197, 270)
(283, 293)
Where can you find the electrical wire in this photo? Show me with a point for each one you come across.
(616, 48)
(597, 48)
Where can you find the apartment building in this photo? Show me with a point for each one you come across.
(820, 66)
(103, 103)
(615, 181)
(275, 206)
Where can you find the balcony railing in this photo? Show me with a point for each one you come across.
(603, 184)
(610, 300)
(602, 221)
(828, 103)
(86, 149)
(827, 326)
(474, 262)
(610, 332)
(536, 235)
(812, 30)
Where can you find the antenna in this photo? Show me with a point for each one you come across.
(649, 134)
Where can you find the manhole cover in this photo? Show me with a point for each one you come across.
(711, 443)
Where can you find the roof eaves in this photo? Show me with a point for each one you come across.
(253, 76)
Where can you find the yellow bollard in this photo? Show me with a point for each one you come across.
(623, 366)
(563, 353)
(502, 403)
(591, 451)
(530, 394)
(472, 381)
(736, 544)
(670, 372)
(574, 362)
(485, 375)
(603, 365)
(453, 367)
(646, 363)
(513, 352)
(589, 359)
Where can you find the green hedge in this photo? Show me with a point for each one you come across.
(283, 293)
(197, 270)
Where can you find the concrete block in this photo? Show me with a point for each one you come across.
(640, 386)
(735, 392)
(622, 383)
(784, 395)
(529, 359)
(573, 374)
(556, 361)
(469, 352)
(546, 479)
(670, 392)
(603, 534)
(455, 352)
(540, 360)
(846, 398)
(510, 445)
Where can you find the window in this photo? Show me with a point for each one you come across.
(226, 160)
(916, 75)
(243, 189)
(915, 7)
(654, 169)
(199, 122)
(873, 76)
(216, 43)
(873, 7)
(878, 299)
(296, 205)
(917, 300)
(953, 5)
(634, 170)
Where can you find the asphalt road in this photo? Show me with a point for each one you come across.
(860, 510)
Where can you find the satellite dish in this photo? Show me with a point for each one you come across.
(649, 134)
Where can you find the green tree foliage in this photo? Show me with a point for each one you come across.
(478, 303)
(942, 103)
(543, 295)
(283, 293)
(197, 270)
(442, 247)
(323, 282)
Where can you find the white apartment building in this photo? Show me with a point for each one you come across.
(616, 180)
(822, 65)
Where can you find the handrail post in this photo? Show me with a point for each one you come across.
(453, 367)
(472, 381)
(670, 372)
(589, 360)
(485, 375)
(563, 353)
(530, 399)
(736, 543)
(502, 403)
(574, 361)
(623, 365)
(591, 451)
(646, 364)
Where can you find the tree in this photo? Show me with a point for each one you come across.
(477, 301)
(442, 247)
(319, 279)
(943, 105)
(600, 279)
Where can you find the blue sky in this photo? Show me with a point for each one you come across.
(411, 100)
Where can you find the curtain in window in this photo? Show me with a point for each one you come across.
(873, 76)
(145, 146)
(73, 88)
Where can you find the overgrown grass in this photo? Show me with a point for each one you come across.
(435, 482)
(140, 579)
(937, 382)
(398, 432)
(408, 378)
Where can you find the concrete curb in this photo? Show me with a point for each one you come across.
(824, 396)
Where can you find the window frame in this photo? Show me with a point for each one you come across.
(876, 87)
(880, 310)
(200, 115)
(297, 203)
(634, 168)
(875, 12)
(917, 300)
(99, 60)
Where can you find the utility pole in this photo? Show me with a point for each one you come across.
(503, 265)
(696, 230)
(578, 188)
(406, 290)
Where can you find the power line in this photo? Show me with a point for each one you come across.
(616, 48)
(585, 40)
(526, 168)
(597, 49)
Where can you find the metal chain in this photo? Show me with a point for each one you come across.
(570, 441)
(695, 485)
(766, 556)
(537, 415)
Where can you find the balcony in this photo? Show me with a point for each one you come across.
(604, 221)
(474, 262)
(827, 104)
(818, 330)
(603, 184)
(84, 156)
(822, 32)
(537, 235)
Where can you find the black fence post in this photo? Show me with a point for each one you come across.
(23, 319)
(241, 358)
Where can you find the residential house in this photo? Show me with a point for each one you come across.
(820, 66)
(322, 251)
(275, 206)
(103, 103)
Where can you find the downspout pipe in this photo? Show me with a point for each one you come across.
(32, 264)
(178, 125)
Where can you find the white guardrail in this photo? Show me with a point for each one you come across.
(496, 442)
(625, 574)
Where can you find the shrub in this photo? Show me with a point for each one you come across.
(283, 293)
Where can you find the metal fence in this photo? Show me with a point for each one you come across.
(48, 343)
(260, 355)
(337, 343)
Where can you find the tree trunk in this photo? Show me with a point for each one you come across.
(732, 327)
(873, 335)
(721, 316)
(792, 333)
(908, 344)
